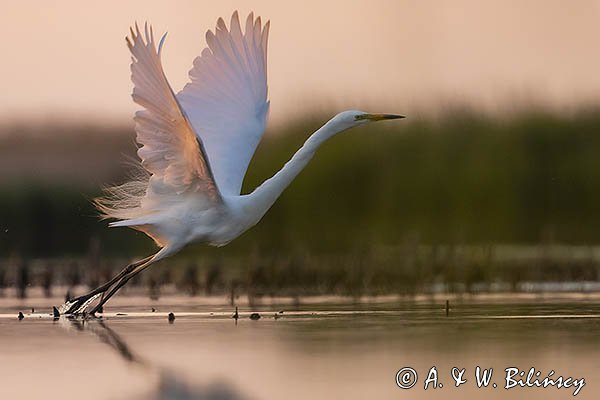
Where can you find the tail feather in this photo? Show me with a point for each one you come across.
(124, 201)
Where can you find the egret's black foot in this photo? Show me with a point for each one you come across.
(78, 305)
(82, 305)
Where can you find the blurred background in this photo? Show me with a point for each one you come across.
(492, 183)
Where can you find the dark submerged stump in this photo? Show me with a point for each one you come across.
(190, 280)
(47, 279)
(23, 279)
(255, 316)
(153, 288)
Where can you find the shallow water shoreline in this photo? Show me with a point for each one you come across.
(323, 348)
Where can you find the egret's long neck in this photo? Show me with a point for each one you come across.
(263, 197)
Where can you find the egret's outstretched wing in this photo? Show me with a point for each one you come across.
(226, 100)
(170, 150)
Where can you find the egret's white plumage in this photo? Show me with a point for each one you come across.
(195, 147)
(226, 100)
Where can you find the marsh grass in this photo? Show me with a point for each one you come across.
(463, 180)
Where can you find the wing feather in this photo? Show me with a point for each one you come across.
(170, 151)
(226, 99)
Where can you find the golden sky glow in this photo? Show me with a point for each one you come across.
(68, 59)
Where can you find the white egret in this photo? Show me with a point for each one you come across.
(195, 147)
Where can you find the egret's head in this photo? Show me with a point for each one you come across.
(349, 119)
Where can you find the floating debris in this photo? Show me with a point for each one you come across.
(121, 313)
(276, 316)
(235, 315)
(32, 310)
(20, 316)
(255, 316)
(280, 311)
(153, 309)
(171, 317)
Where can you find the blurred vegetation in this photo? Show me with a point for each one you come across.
(460, 178)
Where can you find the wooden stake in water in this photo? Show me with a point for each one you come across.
(236, 315)
(447, 307)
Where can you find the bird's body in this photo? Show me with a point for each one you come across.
(195, 147)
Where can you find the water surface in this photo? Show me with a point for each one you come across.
(319, 350)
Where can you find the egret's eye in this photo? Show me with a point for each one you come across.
(359, 117)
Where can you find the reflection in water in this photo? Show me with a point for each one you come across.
(170, 385)
(325, 351)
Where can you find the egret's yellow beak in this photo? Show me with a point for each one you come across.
(378, 117)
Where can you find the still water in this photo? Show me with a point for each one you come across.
(321, 349)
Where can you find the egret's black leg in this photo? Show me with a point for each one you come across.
(79, 301)
(124, 279)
